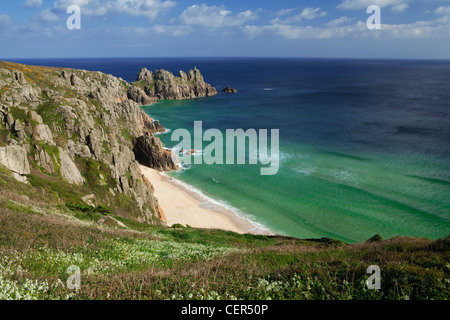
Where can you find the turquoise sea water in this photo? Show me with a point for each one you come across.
(351, 165)
(323, 193)
(365, 145)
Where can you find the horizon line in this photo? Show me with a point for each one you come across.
(231, 57)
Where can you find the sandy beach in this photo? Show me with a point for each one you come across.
(186, 207)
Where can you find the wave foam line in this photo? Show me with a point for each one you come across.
(237, 212)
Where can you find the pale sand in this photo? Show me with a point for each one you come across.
(185, 207)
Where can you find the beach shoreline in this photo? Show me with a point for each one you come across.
(186, 207)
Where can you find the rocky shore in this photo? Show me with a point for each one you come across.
(86, 129)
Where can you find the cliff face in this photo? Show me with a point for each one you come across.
(86, 129)
(149, 86)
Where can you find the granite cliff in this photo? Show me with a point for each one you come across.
(80, 134)
(150, 87)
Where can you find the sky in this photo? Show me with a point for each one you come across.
(409, 29)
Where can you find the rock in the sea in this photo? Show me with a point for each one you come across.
(164, 85)
(229, 89)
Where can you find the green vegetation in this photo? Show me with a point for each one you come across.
(49, 114)
(96, 173)
(18, 113)
(52, 151)
(126, 135)
(4, 133)
(98, 183)
(87, 212)
(87, 208)
(154, 262)
(144, 85)
(96, 104)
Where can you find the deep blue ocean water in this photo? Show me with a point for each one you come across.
(365, 144)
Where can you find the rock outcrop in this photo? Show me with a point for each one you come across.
(229, 89)
(15, 159)
(164, 85)
(150, 152)
(69, 171)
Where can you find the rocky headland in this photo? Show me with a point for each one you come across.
(82, 134)
(150, 87)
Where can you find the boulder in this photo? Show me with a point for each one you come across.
(69, 170)
(80, 150)
(44, 160)
(9, 120)
(76, 81)
(18, 129)
(19, 77)
(43, 133)
(89, 199)
(34, 116)
(15, 158)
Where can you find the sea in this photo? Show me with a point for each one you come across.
(364, 145)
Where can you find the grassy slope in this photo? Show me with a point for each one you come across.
(39, 241)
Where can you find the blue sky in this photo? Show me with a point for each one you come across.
(189, 28)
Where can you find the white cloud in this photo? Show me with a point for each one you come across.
(340, 28)
(339, 21)
(312, 13)
(443, 10)
(32, 3)
(284, 12)
(47, 15)
(364, 4)
(215, 17)
(196, 17)
(173, 30)
(400, 7)
(294, 32)
(308, 14)
(96, 8)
